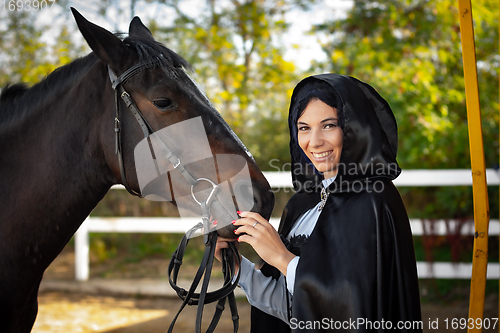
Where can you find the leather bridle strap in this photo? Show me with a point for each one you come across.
(117, 84)
(191, 297)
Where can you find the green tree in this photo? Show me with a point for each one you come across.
(21, 47)
(236, 50)
(25, 56)
(410, 51)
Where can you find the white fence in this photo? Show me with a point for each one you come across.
(445, 177)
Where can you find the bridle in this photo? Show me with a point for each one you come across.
(117, 84)
(210, 238)
(190, 297)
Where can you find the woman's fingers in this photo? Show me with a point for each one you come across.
(255, 230)
(256, 217)
(220, 239)
(223, 243)
(250, 223)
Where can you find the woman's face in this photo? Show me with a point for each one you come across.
(320, 136)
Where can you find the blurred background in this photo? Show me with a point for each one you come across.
(248, 56)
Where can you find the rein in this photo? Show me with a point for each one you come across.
(210, 238)
(204, 297)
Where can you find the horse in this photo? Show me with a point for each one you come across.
(59, 147)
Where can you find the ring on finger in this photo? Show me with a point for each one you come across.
(255, 224)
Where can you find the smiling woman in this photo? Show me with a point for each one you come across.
(344, 250)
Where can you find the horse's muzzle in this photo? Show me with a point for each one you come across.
(246, 198)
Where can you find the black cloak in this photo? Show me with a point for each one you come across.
(357, 270)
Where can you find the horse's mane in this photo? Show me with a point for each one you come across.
(11, 91)
(17, 99)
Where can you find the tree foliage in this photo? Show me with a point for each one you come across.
(236, 50)
(410, 51)
(26, 56)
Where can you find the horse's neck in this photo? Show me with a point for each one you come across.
(52, 164)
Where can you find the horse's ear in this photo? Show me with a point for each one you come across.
(105, 45)
(137, 28)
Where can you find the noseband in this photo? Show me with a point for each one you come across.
(210, 237)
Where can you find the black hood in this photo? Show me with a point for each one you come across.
(370, 140)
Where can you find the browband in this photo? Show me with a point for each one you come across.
(115, 81)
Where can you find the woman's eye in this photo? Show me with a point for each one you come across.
(162, 103)
(303, 128)
(330, 126)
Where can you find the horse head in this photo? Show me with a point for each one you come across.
(174, 143)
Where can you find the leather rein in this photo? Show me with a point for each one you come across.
(189, 297)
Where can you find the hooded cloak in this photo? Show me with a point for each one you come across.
(357, 269)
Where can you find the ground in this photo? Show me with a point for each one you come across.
(77, 312)
(80, 313)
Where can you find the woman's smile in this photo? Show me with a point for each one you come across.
(319, 156)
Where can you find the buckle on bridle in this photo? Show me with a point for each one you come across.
(117, 135)
(177, 165)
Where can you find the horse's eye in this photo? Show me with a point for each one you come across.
(163, 103)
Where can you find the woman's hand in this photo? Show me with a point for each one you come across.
(222, 243)
(261, 235)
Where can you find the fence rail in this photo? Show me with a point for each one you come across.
(408, 178)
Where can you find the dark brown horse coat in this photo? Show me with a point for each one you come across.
(57, 152)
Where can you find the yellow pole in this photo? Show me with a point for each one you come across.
(480, 194)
